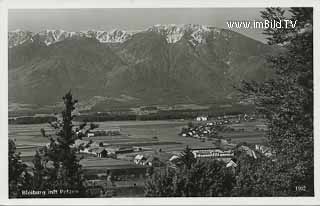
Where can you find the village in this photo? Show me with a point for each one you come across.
(121, 168)
(118, 156)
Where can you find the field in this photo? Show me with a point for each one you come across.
(133, 133)
(138, 133)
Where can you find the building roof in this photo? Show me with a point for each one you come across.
(231, 164)
(139, 157)
(248, 151)
(173, 157)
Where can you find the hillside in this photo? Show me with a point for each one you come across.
(164, 64)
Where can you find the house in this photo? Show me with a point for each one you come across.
(264, 150)
(97, 151)
(246, 117)
(90, 134)
(139, 159)
(113, 129)
(174, 161)
(80, 142)
(232, 164)
(155, 160)
(174, 158)
(101, 152)
(248, 151)
(202, 118)
(99, 133)
(119, 150)
(89, 150)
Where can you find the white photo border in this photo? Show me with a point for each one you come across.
(5, 5)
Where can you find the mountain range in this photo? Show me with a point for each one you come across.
(163, 64)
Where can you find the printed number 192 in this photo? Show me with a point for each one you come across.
(301, 188)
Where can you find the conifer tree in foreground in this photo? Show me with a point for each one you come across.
(58, 167)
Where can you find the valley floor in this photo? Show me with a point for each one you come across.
(138, 134)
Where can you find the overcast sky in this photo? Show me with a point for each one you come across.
(129, 19)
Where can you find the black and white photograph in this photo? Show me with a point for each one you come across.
(160, 102)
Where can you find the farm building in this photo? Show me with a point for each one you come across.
(174, 158)
(97, 151)
(101, 152)
(79, 142)
(139, 159)
(232, 164)
(155, 160)
(90, 134)
(250, 152)
(118, 149)
(202, 118)
(211, 153)
(114, 131)
(264, 150)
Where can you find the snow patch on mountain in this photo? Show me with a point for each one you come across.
(51, 36)
(114, 36)
(197, 34)
(194, 33)
(18, 37)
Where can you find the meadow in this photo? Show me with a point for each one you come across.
(138, 133)
(133, 133)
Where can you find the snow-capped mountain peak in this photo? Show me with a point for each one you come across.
(174, 32)
(51, 36)
(113, 36)
(18, 37)
(195, 33)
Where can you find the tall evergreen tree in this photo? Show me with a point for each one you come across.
(58, 167)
